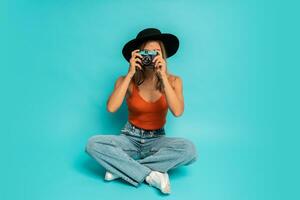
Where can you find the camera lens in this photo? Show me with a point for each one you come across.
(146, 60)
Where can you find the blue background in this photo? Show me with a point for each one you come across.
(238, 59)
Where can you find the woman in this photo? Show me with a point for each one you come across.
(142, 152)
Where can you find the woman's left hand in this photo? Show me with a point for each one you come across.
(160, 64)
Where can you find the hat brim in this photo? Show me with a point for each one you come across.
(170, 42)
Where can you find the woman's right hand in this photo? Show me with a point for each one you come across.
(135, 61)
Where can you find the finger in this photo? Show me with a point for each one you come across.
(157, 64)
(134, 51)
(138, 60)
(160, 64)
(157, 69)
(157, 58)
(139, 66)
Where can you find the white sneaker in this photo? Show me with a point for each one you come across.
(160, 181)
(110, 176)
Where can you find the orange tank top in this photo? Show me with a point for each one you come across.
(144, 114)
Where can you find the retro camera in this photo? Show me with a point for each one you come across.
(148, 56)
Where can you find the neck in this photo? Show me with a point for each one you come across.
(149, 75)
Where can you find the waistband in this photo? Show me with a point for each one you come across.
(129, 127)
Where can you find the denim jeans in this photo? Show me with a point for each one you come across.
(135, 152)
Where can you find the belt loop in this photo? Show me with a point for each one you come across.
(142, 132)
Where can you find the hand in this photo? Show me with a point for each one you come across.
(160, 64)
(135, 61)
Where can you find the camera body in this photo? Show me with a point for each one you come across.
(148, 56)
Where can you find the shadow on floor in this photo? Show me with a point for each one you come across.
(88, 166)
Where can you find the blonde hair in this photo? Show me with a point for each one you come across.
(139, 76)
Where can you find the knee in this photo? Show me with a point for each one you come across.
(189, 150)
(92, 142)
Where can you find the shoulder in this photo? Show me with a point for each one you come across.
(119, 81)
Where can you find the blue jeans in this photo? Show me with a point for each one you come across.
(135, 152)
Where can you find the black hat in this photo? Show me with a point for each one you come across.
(170, 42)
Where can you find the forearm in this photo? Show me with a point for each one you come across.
(117, 97)
(175, 105)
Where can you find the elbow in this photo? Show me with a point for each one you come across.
(178, 114)
(110, 109)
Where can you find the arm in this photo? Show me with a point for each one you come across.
(116, 98)
(174, 96)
